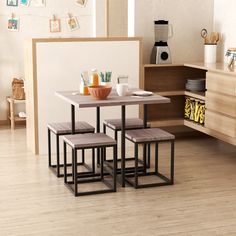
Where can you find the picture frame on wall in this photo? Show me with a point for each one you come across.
(72, 23)
(13, 24)
(81, 3)
(12, 3)
(38, 3)
(25, 2)
(55, 25)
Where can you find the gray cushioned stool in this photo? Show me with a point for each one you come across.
(148, 136)
(90, 141)
(130, 124)
(64, 128)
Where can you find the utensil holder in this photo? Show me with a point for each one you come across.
(210, 53)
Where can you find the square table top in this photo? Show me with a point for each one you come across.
(83, 101)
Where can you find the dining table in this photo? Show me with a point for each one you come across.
(78, 101)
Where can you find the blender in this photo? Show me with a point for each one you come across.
(161, 52)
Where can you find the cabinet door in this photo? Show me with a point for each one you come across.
(220, 123)
(221, 83)
(224, 104)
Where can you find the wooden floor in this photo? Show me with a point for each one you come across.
(202, 201)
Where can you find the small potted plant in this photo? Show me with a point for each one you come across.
(105, 78)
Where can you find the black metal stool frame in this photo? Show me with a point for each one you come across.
(79, 178)
(56, 167)
(146, 153)
(167, 181)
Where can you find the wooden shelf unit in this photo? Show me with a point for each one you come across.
(169, 81)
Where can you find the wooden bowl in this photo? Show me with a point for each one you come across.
(100, 92)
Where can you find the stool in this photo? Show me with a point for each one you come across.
(64, 128)
(90, 141)
(130, 124)
(148, 136)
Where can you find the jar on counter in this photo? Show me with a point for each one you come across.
(94, 78)
(231, 56)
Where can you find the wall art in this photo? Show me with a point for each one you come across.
(13, 3)
(13, 24)
(72, 23)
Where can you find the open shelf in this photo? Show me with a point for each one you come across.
(17, 118)
(198, 95)
(194, 125)
(166, 122)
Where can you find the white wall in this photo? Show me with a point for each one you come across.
(224, 22)
(34, 22)
(188, 17)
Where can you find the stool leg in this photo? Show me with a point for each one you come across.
(65, 163)
(114, 165)
(93, 160)
(136, 165)
(75, 171)
(149, 156)
(104, 131)
(156, 158)
(58, 155)
(49, 149)
(73, 168)
(145, 157)
(83, 156)
(172, 161)
(102, 161)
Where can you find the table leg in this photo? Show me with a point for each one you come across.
(145, 115)
(72, 119)
(123, 146)
(98, 131)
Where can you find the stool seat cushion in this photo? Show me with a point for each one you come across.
(130, 123)
(65, 127)
(148, 135)
(89, 140)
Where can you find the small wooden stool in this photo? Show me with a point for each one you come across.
(148, 136)
(11, 111)
(64, 128)
(90, 141)
(130, 124)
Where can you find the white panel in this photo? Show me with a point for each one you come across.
(59, 66)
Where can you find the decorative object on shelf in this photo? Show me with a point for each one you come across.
(25, 2)
(72, 22)
(12, 3)
(105, 78)
(194, 110)
(100, 92)
(231, 57)
(38, 3)
(13, 23)
(55, 25)
(81, 2)
(18, 89)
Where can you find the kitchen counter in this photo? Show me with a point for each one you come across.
(216, 67)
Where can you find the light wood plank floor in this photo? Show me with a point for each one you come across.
(202, 201)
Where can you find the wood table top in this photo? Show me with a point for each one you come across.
(83, 101)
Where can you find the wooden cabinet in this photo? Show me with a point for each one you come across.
(220, 98)
(169, 81)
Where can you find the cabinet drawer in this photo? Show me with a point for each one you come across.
(220, 123)
(225, 104)
(221, 83)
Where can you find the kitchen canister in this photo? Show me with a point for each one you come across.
(210, 53)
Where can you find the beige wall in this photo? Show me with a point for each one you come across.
(224, 22)
(117, 17)
(188, 17)
(34, 22)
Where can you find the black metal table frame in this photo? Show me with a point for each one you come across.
(123, 118)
